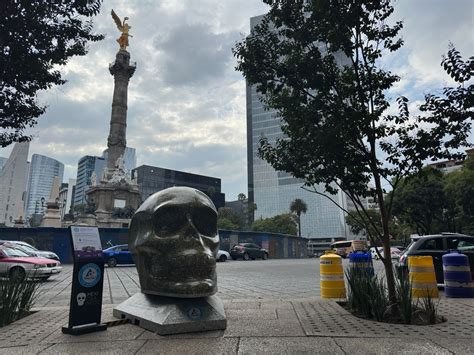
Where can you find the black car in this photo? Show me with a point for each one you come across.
(436, 246)
(248, 251)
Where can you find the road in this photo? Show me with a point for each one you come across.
(284, 279)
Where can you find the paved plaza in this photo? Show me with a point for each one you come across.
(272, 306)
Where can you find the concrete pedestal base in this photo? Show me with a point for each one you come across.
(166, 315)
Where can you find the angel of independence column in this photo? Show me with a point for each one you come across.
(122, 71)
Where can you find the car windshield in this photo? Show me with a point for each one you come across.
(13, 253)
(28, 247)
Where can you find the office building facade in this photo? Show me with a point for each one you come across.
(43, 170)
(13, 184)
(151, 179)
(273, 191)
(66, 196)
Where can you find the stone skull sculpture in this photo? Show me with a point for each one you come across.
(174, 242)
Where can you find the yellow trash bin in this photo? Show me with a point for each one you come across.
(422, 276)
(332, 276)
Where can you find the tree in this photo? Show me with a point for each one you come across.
(421, 201)
(459, 191)
(317, 64)
(283, 223)
(35, 37)
(227, 218)
(298, 206)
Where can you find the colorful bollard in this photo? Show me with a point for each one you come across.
(363, 261)
(422, 277)
(332, 276)
(457, 275)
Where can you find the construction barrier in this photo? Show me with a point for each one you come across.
(332, 276)
(422, 276)
(362, 261)
(457, 275)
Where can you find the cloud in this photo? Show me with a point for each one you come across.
(186, 103)
(194, 55)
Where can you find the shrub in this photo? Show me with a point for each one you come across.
(367, 293)
(404, 296)
(16, 299)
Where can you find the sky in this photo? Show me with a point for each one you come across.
(186, 103)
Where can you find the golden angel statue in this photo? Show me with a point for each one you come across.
(123, 27)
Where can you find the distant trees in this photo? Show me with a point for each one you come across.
(298, 206)
(283, 223)
(432, 202)
(35, 37)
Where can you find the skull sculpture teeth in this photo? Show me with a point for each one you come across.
(174, 242)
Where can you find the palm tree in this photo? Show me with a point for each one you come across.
(298, 206)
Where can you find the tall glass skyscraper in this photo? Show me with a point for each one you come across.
(43, 170)
(273, 191)
(13, 180)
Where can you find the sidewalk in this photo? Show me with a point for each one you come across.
(254, 326)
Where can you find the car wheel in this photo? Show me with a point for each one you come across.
(112, 262)
(45, 278)
(17, 274)
(265, 256)
(223, 258)
(246, 256)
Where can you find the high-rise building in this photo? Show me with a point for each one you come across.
(3, 161)
(89, 164)
(66, 195)
(86, 166)
(273, 191)
(13, 180)
(151, 179)
(43, 170)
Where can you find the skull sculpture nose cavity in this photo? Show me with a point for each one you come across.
(177, 258)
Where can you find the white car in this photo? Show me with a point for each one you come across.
(16, 265)
(394, 253)
(222, 255)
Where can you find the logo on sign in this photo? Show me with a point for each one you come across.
(194, 313)
(89, 275)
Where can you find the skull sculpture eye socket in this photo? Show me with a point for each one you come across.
(169, 220)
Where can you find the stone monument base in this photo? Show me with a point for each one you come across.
(167, 315)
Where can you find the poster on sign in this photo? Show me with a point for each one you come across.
(87, 281)
(86, 242)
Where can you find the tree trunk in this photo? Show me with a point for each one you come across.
(387, 263)
(299, 226)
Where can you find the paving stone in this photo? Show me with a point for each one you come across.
(102, 347)
(251, 314)
(190, 346)
(258, 327)
(242, 305)
(457, 346)
(389, 346)
(24, 350)
(288, 345)
(147, 335)
(120, 332)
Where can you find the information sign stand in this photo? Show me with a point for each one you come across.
(87, 283)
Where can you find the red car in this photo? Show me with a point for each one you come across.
(16, 265)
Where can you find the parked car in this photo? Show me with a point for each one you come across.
(31, 250)
(222, 255)
(118, 254)
(16, 264)
(436, 246)
(248, 251)
(394, 253)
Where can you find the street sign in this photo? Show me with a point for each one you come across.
(87, 284)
